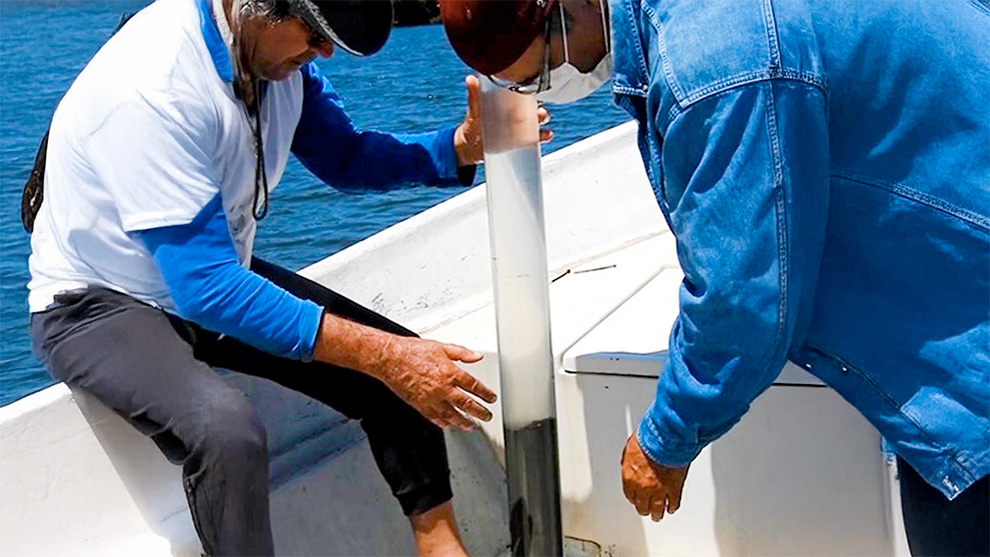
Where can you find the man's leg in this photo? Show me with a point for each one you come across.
(409, 450)
(140, 363)
(937, 526)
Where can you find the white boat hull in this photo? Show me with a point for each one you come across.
(802, 474)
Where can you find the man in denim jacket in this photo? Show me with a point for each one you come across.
(825, 168)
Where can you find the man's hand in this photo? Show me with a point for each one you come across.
(423, 373)
(467, 138)
(650, 487)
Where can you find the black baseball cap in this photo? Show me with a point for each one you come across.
(360, 27)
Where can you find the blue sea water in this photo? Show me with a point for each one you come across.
(414, 84)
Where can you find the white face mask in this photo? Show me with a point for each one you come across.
(567, 83)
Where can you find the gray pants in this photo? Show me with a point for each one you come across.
(154, 369)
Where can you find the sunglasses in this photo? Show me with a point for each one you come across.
(316, 40)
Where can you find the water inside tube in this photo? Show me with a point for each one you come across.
(519, 266)
(522, 305)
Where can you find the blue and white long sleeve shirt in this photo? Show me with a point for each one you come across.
(150, 179)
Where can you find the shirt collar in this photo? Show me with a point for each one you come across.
(215, 43)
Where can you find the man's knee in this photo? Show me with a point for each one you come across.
(231, 428)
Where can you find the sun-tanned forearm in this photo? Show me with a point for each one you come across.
(422, 372)
(344, 343)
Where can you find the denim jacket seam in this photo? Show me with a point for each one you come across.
(675, 110)
(956, 467)
(643, 66)
(775, 68)
(755, 76)
(618, 89)
(965, 468)
(623, 86)
(965, 215)
(883, 394)
(780, 221)
(966, 462)
(668, 70)
(981, 6)
(773, 41)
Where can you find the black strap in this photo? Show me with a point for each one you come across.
(34, 189)
(260, 176)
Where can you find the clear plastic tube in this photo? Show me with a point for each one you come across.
(522, 307)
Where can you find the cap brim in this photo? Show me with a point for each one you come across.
(360, 27)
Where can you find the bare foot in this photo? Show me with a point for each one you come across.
(435, 532)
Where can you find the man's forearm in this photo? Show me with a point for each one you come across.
(344, 343)
(422, 372)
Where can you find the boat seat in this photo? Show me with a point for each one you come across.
(633, 339)
(67, 455)
(135, 496)
(766, 487)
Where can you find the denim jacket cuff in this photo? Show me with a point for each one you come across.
(661, 452)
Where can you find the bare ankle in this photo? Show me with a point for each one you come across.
(436, 534)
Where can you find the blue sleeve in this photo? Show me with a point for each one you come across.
(210, 288)
(328, 144)
(745, 188)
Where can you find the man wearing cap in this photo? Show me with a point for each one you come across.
(825, 168)
(160, 160)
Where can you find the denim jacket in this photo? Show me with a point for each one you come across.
(825, 168)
